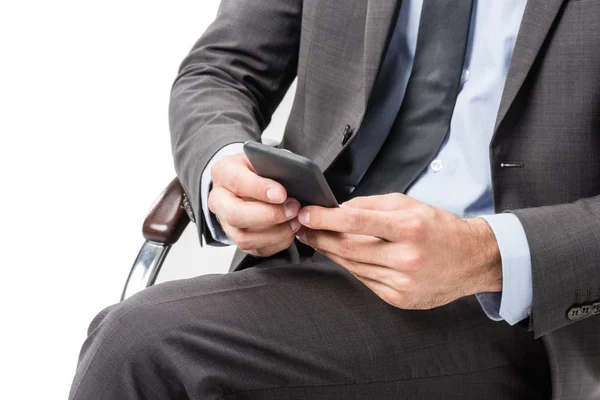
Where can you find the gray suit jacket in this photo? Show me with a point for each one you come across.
(548, 125)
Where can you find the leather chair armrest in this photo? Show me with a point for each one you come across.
(168, 218)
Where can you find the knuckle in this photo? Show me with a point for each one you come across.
(276, 248)
(394, 298)
(272, 215)
(395, 259)
(212, 201)
(243, 242)
(412, 261)
(346, 247)
(355, 220)
(394, 196)
(284, 244)
(230, 217)
(244, 245)
(216, 171)
(357, 201)
(353, 267)
(398, 283)
(394, 227)
(238, 158)
(354, 201)
(396, 199)
(428, 211)
(235, 182)
(260, 252)
(401, 300)
(416, 228)
(235, 235)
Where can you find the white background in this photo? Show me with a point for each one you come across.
(84, 151)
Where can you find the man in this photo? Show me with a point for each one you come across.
(463, 138)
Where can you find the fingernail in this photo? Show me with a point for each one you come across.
(304, 217)
(295, 225)
(291, 208)
(274, 195)
(301, 237)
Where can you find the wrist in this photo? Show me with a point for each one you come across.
(485, 256)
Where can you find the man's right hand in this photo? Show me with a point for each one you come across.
(254, 212)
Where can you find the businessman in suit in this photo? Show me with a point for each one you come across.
(463, 139)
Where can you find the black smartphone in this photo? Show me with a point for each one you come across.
(300, 176)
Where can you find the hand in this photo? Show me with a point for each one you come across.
(254, 212)
(412, 255)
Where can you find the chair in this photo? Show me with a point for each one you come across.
(162, 228)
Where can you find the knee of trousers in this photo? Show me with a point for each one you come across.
(131, 331)
(142, 322)
(132, 348)
(142, 344)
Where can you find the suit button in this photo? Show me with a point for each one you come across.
(575, 313)
(347, 134)
(596, 308)
(586, 310)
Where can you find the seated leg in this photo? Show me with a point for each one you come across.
(309, 330)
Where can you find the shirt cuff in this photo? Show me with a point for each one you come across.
(513, 304)
(205, 182)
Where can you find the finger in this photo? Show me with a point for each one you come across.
(386, 202)
(381, 287)
(234, 174)
(364, 249)
(240, 213)
(252, 239)
(272, 249)
(387, 276)
(384, 292)
(380, 224)
(380, 273)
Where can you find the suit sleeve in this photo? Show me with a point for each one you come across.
(230, 84)
(564, 243)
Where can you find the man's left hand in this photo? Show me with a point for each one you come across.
(412, 255)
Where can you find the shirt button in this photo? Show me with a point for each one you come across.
(437, 165)
(466, 74)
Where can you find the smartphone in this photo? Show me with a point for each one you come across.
(300, 176)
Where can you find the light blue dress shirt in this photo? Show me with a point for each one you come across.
(459, 179)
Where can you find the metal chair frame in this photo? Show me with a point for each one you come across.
(162, 228)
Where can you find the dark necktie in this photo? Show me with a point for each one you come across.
(424, 118)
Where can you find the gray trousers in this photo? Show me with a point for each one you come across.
(301, 331)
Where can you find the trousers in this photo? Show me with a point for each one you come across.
(308, 330)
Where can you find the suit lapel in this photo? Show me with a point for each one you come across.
(381, 19)
(537, 21)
